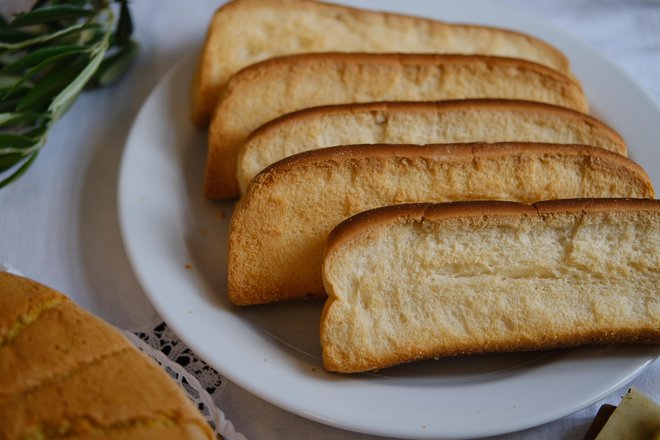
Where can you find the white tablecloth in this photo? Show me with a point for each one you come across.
(59, 224)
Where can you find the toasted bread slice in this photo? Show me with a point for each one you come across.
(469, 120)
(272, 88)
(247, 31)
(278, 230)
(413, 282)
(65, 373)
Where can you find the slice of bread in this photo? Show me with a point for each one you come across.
(244, 32)
(65, 373)
(415, 282)
(278, 230)
(469, 120)
(272, 88)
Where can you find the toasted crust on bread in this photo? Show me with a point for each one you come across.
(468, 120)
(488, 277)
(66, 373)
(364, 220)
(24, 301)
(278, 230)
(284, 27)
(277, 86)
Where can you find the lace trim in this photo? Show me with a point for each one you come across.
(201, 383)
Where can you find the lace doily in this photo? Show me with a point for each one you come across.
(161, 338)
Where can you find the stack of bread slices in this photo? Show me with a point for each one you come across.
(447, 135)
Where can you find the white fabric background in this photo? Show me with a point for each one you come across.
(59, 224)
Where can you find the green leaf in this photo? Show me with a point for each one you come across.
(43, 65)
(15, 141)
(46, 54)
(124, 25)
(38, 131)
(46, 37)
(19, 172)
(47, 14)
(40, 96)
(9, 56)
(9, 118)
(8, 105)
(17, 118)
(115, 66)
(64, 99)
(26, 145)
(91, 36)
(9, 160)
(9, 81)
(14, 36)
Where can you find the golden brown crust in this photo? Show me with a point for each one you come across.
(439, 106)
(597, 205)
(21, 301)
(439, 151)
(34, 350)
(560, 58)
(65, 371)
(398, 59)
(646, 335)
(207, 88)
(102, 394)
(358, 223)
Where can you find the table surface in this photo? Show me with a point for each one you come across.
(59, 223)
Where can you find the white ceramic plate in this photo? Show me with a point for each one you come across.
(176, 242)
